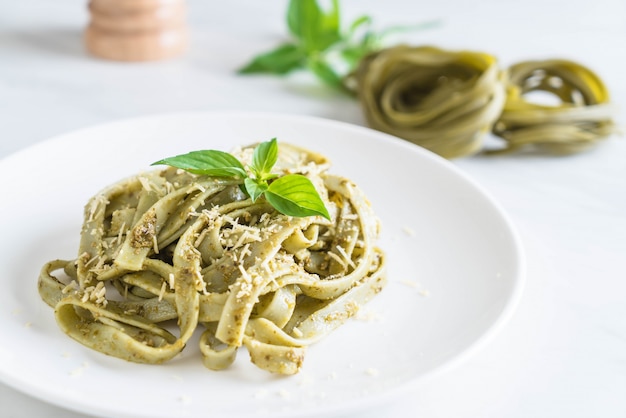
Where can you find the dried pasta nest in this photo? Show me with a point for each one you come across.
(445, 101)
(581, 119)
(448, 101)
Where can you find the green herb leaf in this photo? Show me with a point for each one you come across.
(354, 54)
(326, 73)
(315, 29)
(254, 188)
(398, 29)
(292, 194)
(297, 12)
(295, 195)
(358, 22)
(208, 162)
(264, 158)
(329, 31)
(281, 60)
(320, 46)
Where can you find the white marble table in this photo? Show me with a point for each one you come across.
(563, 353)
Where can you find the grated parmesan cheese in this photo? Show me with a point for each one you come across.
(162, 291)
(408, 231)
(96, 294)
(345, 256)
(368, 316)
(261, 394)
(73, 285)
(284, 393)
(91, 260)
(410, 283)
(77, 372)
(199, 187)
(246, 287)
(338, 259)
(371, 371)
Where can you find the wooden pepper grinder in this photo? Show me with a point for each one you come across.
(136, 30)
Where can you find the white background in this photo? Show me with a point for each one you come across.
(563, 353)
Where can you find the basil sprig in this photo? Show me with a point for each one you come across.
(319, 44)
(291, 194)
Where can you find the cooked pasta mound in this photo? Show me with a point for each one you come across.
(165, 252)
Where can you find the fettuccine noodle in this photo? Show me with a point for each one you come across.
(444, 101)
(169, 247)
(582, 119)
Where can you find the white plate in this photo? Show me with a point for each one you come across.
(455, 273)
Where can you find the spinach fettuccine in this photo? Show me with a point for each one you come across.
(167, 252)
(444, 101)
(582, 118)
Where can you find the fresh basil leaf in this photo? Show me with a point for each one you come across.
(281, 60)
(254, 188)
(326, 73)
(360, 41)
(358, 22)
(315, 29)
(330, 29)
(292, 194)
(353, 54)
(297, 13)
(208, 162)
(399, 29)
(295, 195)
(315, 26)
(264, 158)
